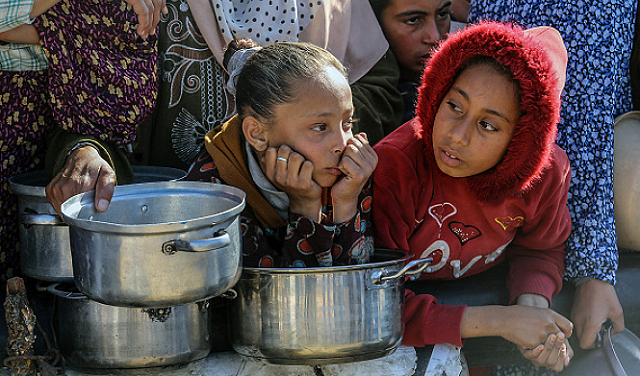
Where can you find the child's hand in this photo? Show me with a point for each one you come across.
(555, 353)
(528, 327)
(291, 173)
(357, 163)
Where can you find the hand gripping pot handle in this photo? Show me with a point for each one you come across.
(221, 239)
(415, 267)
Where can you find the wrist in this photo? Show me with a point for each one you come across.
(81, 145)
(533, 300)
(310, 209)
(483, 321)
(580, 280)
(343, 213)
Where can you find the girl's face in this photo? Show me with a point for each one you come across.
(316, 124)
(475, 121)
(413, 29)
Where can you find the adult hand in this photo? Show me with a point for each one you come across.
(357, 164)
(291, 173)
(148, 12)
(556, 352)
(83, 171)
(595, 302)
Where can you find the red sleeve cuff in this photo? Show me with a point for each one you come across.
(429, 323)
(532, 282)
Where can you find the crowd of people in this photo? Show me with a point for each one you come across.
(475, 132)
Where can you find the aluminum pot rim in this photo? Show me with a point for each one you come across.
(71, 207)
(33, 183)
(402, 258)
(19, 184)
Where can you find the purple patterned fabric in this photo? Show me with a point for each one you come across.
(101, 82)
(102, 78)
(24, 119)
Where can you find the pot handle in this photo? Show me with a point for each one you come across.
(28, 218)
(414, 267)
(71, 295)
(221, 239)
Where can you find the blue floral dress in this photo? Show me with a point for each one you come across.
(599, 37)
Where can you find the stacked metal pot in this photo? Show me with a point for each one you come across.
(143, 270)
(165, 246)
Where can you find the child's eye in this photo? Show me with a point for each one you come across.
(412, 21)
(348, 125)
(319, 127)
(454, 107)
(488, 126)
(444, 14)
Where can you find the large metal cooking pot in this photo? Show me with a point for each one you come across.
(617, 355)
(94, 335)
(322, 315)
(44, 237)
(160, 244)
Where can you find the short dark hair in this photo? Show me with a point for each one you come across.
(269, 75)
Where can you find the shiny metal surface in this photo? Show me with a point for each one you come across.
(320, 315)
(121, 257)
(617, 355)
(44, 238)
(626, 177)
(94, 335)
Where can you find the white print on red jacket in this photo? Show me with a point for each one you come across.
(440, 213)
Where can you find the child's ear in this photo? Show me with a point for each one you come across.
(254, 133)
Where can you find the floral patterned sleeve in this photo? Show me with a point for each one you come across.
(590, 107)
(309, 243)
(302, 242)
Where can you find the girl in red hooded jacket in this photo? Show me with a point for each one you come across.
(475, 179)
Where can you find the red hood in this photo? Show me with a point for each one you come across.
(537, 58)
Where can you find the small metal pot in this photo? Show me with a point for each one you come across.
(44, 237)
(322, 315)
(94, 335)
(160, 244)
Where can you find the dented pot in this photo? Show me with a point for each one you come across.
(159, 244)
(95, 335)
(322, 315)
